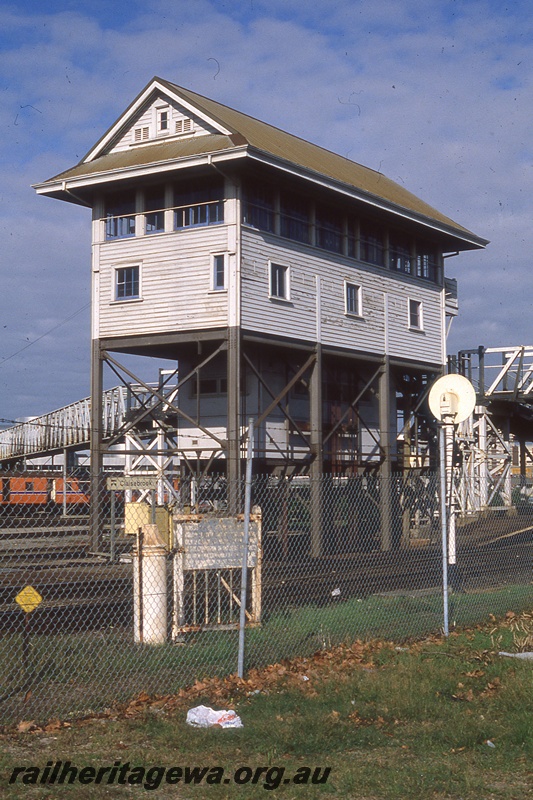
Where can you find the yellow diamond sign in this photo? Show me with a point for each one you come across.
(28, 599)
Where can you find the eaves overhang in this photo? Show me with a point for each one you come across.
(457, 234)
(74, 180)
(89, 176)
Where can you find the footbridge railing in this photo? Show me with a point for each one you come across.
(65, 428)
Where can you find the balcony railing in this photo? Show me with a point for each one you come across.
(452, 303)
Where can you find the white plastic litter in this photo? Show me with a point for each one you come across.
(205, 717)
(525, 656)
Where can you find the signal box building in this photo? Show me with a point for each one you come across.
(291, 285)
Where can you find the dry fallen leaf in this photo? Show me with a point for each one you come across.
(26, 725)
(466, 696)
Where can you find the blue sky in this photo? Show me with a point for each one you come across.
(436, 94)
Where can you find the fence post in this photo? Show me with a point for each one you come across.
(246, 539)
(443, 525)
(65, 474)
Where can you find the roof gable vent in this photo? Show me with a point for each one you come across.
(184, 125)
(141, 134)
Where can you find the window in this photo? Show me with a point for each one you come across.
(209, 386)
(400, 254)
(154, 205)
(219, 272)
(258, 207)
(127, 283)
(415, 315)
(352, 299)
(352, 236)
(427, 263)
(199, 202)
(120, 215)
(328, 227)
(163, 120)
(372, 244)
(300, 389)
(294, 218)
(279, 281)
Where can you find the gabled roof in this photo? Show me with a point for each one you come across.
(237, 135)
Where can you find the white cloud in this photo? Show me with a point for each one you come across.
(435, 94)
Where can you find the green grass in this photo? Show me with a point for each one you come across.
(410, 722)
(93, 669)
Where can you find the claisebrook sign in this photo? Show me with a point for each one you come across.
(139, 482)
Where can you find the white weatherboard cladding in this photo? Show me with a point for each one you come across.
(384, 324)
(425, 345)
(148, 119)
(175, 283)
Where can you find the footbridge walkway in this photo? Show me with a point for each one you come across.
(67, 428)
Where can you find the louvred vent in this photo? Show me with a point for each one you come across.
(184, 125)
(141, 134)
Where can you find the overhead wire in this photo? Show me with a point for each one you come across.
(46, 333)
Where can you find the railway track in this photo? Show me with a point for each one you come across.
(485, 565)
(81, 589)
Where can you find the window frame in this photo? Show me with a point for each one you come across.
(201, 205)
(328, 230)
(136, 282)
(371, 243)
(121, 225)
(154, 218)
(427, 264)
(220, 387)
(280, 269)
(400, 254)
(163, 111)
(358, 294)
(295, 217)
(215, 285)
(413, 303)
(259, 207)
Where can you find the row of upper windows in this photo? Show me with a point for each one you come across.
(195, 204)
(127, 283)
(294, 216)
(201, 202)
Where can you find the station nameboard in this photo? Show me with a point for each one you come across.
(139, 482)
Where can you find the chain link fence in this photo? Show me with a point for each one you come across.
(146, 592)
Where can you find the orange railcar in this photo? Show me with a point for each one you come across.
(41, 490)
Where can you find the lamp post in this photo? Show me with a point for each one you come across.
(452, 399)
